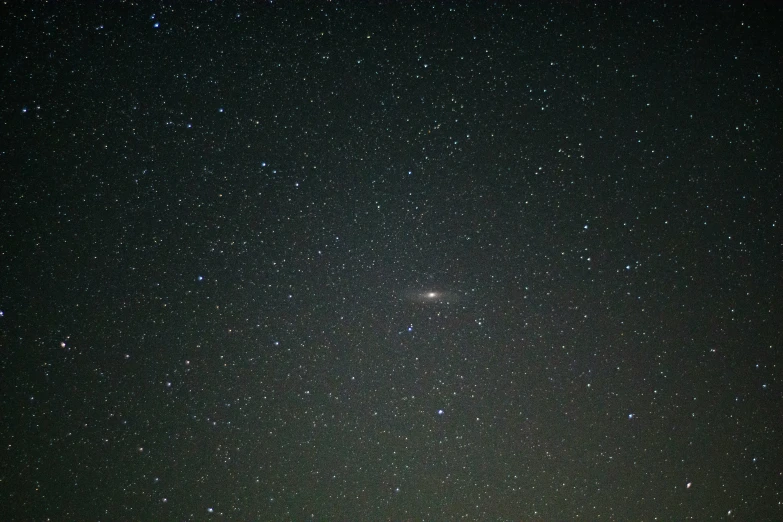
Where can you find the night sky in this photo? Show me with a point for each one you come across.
(351, 261)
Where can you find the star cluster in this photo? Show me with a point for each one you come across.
(393, 261)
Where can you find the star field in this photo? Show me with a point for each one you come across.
(391, 261)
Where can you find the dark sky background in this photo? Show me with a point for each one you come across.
(391, 261)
